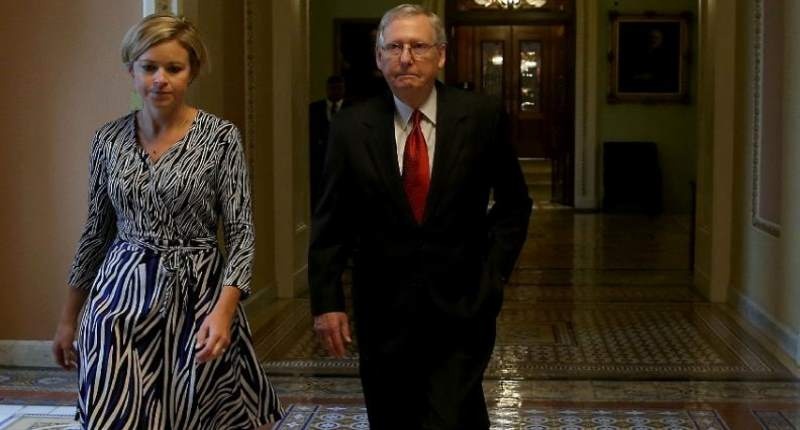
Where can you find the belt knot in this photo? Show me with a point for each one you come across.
(176, 265)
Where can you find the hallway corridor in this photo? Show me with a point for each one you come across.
(601, 329)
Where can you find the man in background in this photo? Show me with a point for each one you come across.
(320, 114)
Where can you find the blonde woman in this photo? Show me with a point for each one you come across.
(164, 343)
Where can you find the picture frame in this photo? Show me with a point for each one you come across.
(649, 58)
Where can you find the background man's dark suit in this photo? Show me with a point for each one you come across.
(425, 295)
(318, 127)
(317, 144)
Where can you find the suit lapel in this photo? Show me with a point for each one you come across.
(449, 143)
(382, 149)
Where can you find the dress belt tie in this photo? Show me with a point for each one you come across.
(176, 265)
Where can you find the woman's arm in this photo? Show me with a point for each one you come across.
(63, 349)
(98, 233)
(233, 192)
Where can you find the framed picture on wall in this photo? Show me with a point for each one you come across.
(648, 59)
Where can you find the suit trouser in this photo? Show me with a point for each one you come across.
(430, 380)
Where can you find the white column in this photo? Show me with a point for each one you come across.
(716, 122)
(791, 178)
(586, 60)
(724, 58)
(290, 141)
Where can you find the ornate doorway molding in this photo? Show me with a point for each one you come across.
(585, 95)
(586, 89)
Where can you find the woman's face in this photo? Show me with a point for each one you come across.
(162, 74)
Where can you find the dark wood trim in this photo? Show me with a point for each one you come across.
(454, 16)
(337, 38)
(491, 17)
(458, 20)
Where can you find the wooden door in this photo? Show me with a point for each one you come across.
(531, 95)
(529, 68)
(543, 103)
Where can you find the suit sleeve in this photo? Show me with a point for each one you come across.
(331, 228)
(510, 214)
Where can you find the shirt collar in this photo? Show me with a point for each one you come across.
(403, 111)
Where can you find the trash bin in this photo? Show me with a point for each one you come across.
(631, 177)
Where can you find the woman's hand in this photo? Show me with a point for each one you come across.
(63, 349)
(214, 335)
(63, 342)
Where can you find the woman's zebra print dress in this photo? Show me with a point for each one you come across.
(150, 259)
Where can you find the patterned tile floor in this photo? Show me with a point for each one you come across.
(575, 341)
(601, 329)
(335, 417)
(18, 417)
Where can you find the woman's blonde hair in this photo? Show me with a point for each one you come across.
(162, 27)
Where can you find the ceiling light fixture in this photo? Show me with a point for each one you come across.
(510, 4)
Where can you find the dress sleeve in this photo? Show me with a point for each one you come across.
(101, 225)
(237, 215)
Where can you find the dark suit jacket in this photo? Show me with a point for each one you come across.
(318, 129)
(453, 266)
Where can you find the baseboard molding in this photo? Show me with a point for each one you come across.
(259, 298)
(26, 353)
(777, 332)
(702, 283)
(37, 353)
(797, 351)
(586, 203)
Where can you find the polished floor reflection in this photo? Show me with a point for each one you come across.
(601, 329)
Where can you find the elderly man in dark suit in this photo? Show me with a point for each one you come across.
(408, 180)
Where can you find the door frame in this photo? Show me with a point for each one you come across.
(584, 20)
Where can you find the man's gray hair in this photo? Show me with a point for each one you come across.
(407, 11)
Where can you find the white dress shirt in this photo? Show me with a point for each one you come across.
(403, 126)
(332, 108)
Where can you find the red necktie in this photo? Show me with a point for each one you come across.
(416, 173)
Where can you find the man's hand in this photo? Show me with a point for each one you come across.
(333, 330)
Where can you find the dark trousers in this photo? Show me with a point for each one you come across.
(429, 379)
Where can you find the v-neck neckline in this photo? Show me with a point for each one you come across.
(143, 153)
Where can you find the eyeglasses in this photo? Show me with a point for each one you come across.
(417, 49)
